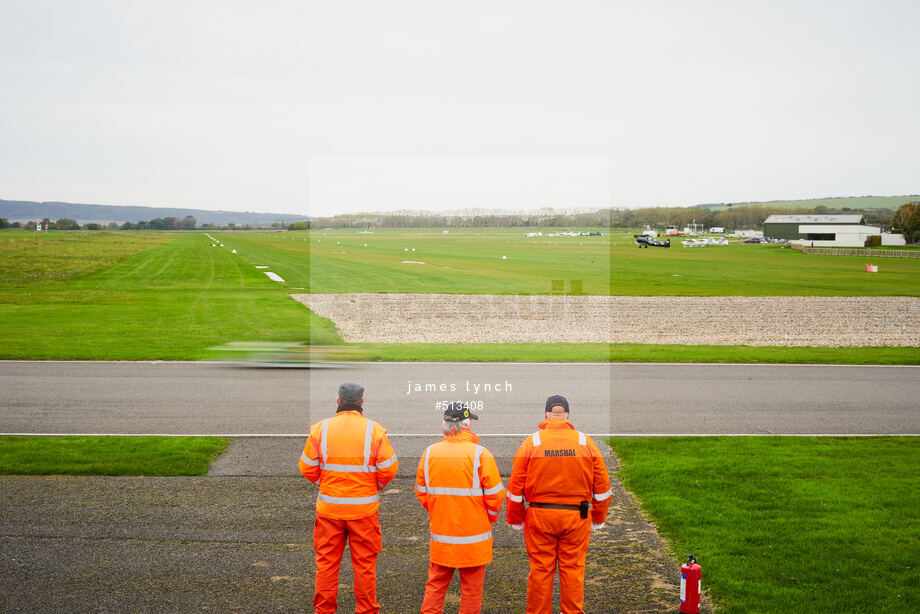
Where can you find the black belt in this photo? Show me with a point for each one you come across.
(581, 507)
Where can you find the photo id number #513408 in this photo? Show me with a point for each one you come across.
(471, 405)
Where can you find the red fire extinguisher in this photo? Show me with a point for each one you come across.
(691, 585)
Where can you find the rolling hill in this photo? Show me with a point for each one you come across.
(23, 211)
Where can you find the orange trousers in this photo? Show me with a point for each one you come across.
(439, 577)
(365, 542)
(556, 537)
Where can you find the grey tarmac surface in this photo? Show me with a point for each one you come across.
(244, 544)
(239, 540)
(202, 398)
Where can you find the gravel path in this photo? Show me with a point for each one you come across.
(723, 320)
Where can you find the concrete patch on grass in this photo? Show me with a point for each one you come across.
(805, 321)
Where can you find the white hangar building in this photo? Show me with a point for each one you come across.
(825, 230)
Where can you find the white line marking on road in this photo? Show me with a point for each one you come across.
(120, 362)
(435, 435)
(521, 364)
(237, 435)
(745, 364)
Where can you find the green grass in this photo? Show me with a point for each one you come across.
(753, 270)
(787, 524)
(171, 296)
(462, 262)
(636, 352)
(164, 296)
(33, 259)
(486, 352)
(165, 456)
(469, 262)
(631, 352)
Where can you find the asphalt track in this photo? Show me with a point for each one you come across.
(236, 543)
(211, 398)
(243, 544)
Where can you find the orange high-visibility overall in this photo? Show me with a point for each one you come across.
(458, 483)
(557, 465)
(350, 458)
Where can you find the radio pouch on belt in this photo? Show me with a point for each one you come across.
(583, 507)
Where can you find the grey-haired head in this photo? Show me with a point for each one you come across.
(458, 411)
(350, 392)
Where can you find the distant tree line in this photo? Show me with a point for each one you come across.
(167, 223)
(162, 223)
(905, 220)
(731, 217)
(413, 219)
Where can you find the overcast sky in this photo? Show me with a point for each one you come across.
(321, 107)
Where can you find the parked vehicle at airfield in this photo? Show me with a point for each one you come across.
(646, 242)
(704, 242)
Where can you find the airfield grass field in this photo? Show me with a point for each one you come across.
(152, 296)
(754, 270)
(470, 262)
(461, 262)
(787, 524)
(172, 296)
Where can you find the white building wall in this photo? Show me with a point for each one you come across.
(889, 238)
(846, 235)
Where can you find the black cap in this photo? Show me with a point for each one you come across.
(456, 412)
(349, 392)
(556, 399)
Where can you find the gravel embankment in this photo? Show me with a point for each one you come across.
(723, 320)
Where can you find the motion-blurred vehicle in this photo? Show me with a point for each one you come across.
(275, 354)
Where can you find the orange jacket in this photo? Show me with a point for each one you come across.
(558, 464)
(458, 483)
(350, 458)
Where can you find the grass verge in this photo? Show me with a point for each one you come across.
(631, 352)
(637, 352)
(485, 352)
(787, 524)
(151, 456)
